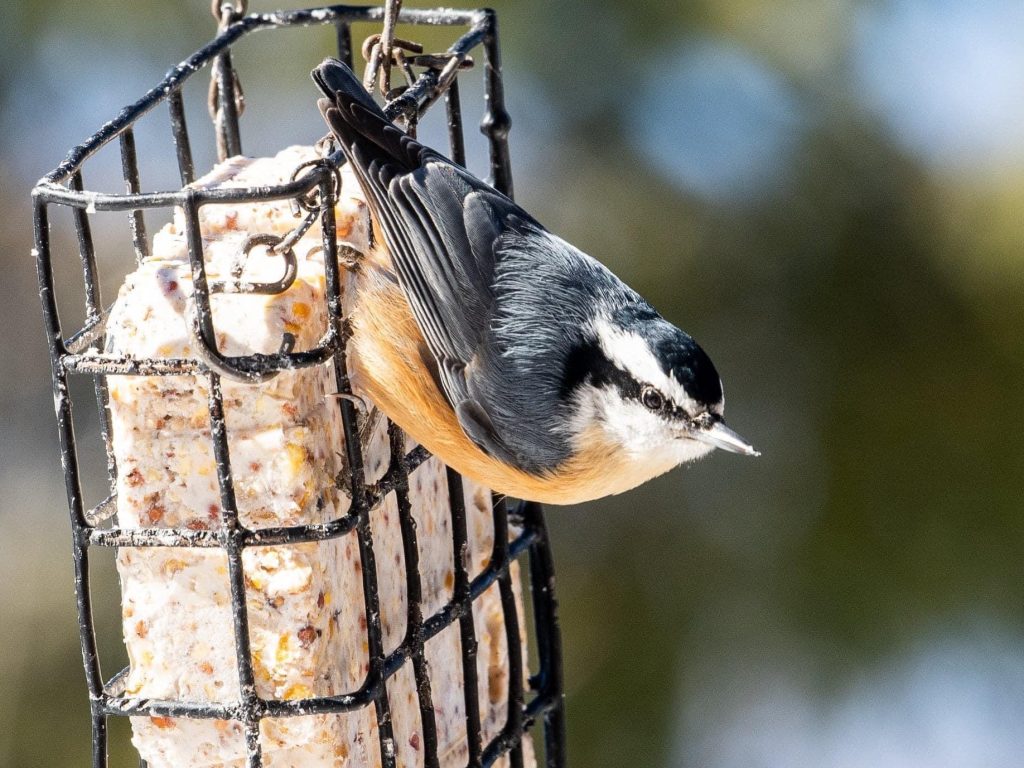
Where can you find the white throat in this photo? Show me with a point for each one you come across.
(642, 436)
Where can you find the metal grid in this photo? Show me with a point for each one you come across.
(81, 354)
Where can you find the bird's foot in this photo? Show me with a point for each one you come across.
(350, 258)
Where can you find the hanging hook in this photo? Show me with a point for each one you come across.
(200, 325)
(310, 202)
(446, 64)
(398, 43)
(225, 110)
(380, 56)
(275, 244)
(213, 94)
(227, 11)
(387, 41)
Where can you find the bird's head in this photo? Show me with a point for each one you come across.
(649, 390)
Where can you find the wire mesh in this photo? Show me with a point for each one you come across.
(81, 353)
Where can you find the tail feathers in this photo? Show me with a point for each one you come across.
(339, 83)
(365, 133)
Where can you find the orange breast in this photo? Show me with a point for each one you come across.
(386, 366)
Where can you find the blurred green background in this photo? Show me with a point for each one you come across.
(828, 195)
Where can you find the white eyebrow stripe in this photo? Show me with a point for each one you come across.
(631, 353)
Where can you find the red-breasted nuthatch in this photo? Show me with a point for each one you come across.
(517, 359)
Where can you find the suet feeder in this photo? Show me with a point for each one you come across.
(259, 711)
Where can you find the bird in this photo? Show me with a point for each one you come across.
(514, 357)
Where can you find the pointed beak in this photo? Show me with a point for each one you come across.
(722, 437)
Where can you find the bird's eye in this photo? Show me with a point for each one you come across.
(652, 398)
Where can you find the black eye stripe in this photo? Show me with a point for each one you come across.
(587, 363)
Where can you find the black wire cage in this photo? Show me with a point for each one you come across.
(519, 532)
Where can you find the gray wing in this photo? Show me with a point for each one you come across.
(443, 229)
